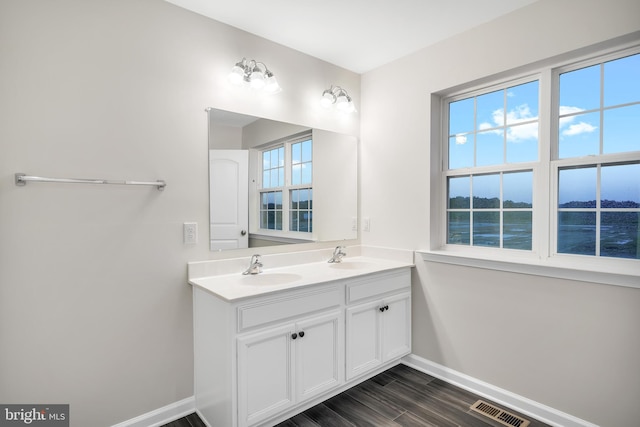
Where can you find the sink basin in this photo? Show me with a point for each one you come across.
(351, 265)
(264, 279)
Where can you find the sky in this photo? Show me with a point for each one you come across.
(599, 112)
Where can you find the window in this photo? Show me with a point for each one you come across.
(287, 171)
(554, 178)
(492, 150)
(598, 167)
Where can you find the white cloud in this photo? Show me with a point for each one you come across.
(565, 109)
(461, 139)
(522, 132)
(573, 129)
(578, 128)
(521, 113)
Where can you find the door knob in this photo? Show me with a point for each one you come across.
(243, 233)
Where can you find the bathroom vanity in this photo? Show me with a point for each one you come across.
(270, 345)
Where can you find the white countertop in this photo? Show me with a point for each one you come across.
(236, 286)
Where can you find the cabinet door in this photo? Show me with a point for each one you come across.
(363, 338)
(319, 355)
(265, 361)
(396, 326)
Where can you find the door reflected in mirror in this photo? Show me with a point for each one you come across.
(275, 183)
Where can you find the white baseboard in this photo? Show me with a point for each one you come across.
(498, 395)
(162, 416)
(511, 400)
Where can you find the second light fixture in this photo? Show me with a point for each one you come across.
(339, 97)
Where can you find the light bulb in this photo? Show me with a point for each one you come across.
(236, 76)
(271, 84)
(342, 102)
(350, 107)
(257, 80)
(327, 99)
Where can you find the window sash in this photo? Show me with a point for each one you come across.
(285, 190)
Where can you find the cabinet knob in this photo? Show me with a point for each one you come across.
(386, 307)
(381, 309)
(301, 334)
(294, 336)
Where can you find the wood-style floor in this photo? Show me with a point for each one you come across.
(400, 396)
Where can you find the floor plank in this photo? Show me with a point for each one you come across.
(324, 416)
(358, 413)
(399, 397)
(191, 420)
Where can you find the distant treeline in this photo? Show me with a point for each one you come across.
(604, 204)
(460, 202)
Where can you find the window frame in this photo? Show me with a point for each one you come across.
(286, 232)
(543, 259)
(533, 166)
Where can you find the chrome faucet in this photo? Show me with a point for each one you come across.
(338, 254)
(255, 265)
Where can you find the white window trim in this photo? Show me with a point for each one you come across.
(542, 260)
(556, 267)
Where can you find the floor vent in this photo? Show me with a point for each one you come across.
(498, 414)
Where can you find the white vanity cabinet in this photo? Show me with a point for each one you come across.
(266, 357)
(286, 365)
(378, 321)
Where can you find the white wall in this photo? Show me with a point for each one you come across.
(570, 345)
(95, 309)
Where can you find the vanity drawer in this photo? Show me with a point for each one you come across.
(379, 284)
(270, 310)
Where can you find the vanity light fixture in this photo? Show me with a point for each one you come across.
(339, 97)
(255, 75)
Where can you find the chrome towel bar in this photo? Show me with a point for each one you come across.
(22, 179)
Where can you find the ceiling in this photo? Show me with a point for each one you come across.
(358, 35)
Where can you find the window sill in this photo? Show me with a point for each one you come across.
(278, 238)
(559, 267)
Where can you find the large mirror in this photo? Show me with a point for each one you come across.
(274, 183)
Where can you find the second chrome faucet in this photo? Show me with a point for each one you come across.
(255, 265)
(338, 254)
